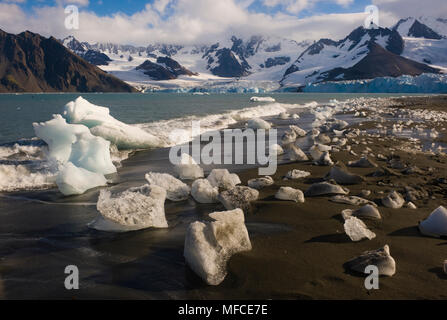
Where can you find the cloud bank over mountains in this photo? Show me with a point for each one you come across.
(204, 21)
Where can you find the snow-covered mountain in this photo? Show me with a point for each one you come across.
(363, 54)
(413, 46)
(425, 40)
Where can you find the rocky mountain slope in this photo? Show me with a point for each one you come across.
(32, 63)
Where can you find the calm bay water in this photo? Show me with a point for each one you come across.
(19, 111)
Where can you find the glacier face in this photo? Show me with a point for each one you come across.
(425, 83)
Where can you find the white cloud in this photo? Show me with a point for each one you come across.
(415, 8)
(189, 21)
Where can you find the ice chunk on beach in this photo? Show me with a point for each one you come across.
(238, 197)
(175, 189)
(262, 99)
(209, 245)
(276, 150)
(223, 179)
(297, 174)
(394, 200)
(75, 144)
(203, 192)
(102, 124)
(288, 193)
(188, 169)
(73, 180)
(380, 258)
(134, 209)
(296, 154)
(357, 230)
(436, 223)
(260, 183)
(258, 123)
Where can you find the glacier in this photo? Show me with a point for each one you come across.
(424, 83)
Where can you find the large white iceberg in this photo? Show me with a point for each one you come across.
(134, 209)
(75, 144)
(209, 245)
(73, 180)
(175, 189)
(102, 124)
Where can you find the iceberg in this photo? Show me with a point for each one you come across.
(101, 123)
(262, 99)
(74, 143)
(175, 189)
(239, 197)
(73, 180)
(134, 209)
(381, 258)
(209, 245)
(288, 193)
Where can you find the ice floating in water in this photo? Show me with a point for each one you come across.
(436, 223)
(188, 169)
(258, 123)
(73, 180)
(260, 183)
(175, 189)
(380, 258)
(223, 179)
(324, 188)
(357, 230)
(297, 174)
(394, 200)
(75, 144)
(238, 197)
(209, 245)
(288, 193)
(203, 192)
(102, 124)
(262, 99)
(133, 209)
(368, 211)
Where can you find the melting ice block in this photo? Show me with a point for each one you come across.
(380, 258)
(102, 124)
(75, 144)
(238, 197)
(209, 245)
(134, 209)
(288, 193)
(436, 223)
(222, 178)
(73, 180)
(357, 230)
(175, 189)
(188, 169)
(203, 192)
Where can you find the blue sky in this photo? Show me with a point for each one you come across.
(141, 22)
(129, 7)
